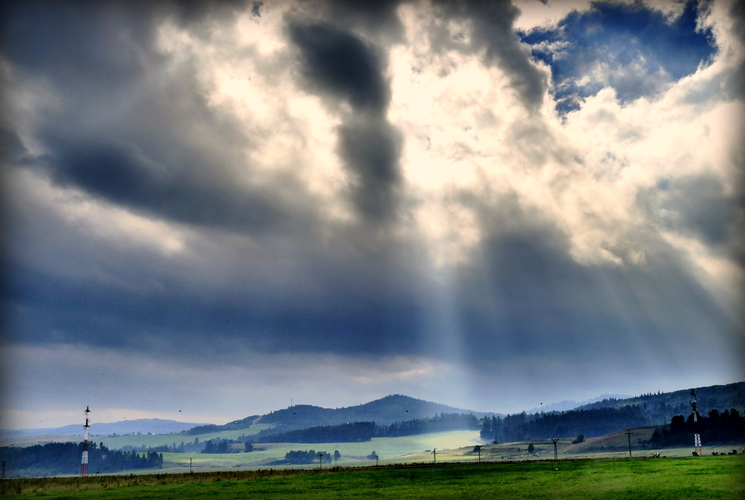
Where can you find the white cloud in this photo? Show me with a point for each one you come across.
(538, 14)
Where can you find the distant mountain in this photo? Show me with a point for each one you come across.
(385, 411)
(141, 425)
(571, 405)
(656, 409)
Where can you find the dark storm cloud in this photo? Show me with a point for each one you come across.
(377, 19)
(310, 299)
(187, 324)
(158, 148)
(132, 126)
(256, 9)
(67, 41)
(493, 32)
(524, 295)
(194, 193)
(339, 62)
(371, 148)
(11, 147)
(341, 65)
(736, 81)
(642, 50)
(493, 28)
(520, 294)
(103, 41)
(694, 205)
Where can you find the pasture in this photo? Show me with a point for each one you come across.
(398, 449)
(452, 446)
(710, 477)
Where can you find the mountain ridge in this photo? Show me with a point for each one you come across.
(387, 410)
(140, 425)
(397, 408)
(712, 397)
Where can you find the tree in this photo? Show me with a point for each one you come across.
(656, 438)
(209, 447)
(677, 424)
(580, 438)
(249, 447)
(337, 455)
(531, 448)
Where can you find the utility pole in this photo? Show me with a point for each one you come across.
(478, 448)
(84, 458)
(556, 450)
(191, 471)
(434, 452)
(320, 460)
(696, 436)
(4, 462)
(628, 434)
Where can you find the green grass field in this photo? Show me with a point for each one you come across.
(640, 478)
(450, 446)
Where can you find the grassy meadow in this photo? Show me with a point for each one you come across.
(719, 477)
(450, 446)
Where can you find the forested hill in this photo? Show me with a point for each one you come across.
(660, 407)
(385, 411)
(650, 409)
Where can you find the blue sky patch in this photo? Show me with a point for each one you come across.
(631, 48)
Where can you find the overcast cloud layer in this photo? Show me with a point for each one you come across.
(214, 209)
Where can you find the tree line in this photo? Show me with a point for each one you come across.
(590, 423)
(185, 447)
(344, 433)
(441, 423)
(660, 407)
(243, 423)
(218, 445)
(365, 431)
(309, 457)
(716, 428)
(53, 459)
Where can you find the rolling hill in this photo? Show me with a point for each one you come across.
(656, 409)
(384, 411)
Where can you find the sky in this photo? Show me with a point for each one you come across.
(215, 210)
